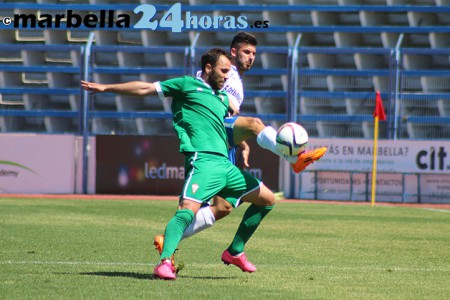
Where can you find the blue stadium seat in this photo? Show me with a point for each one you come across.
(442, 2)
(338, 129)
(341, 64)
(313, 106)
(11, 124)
(313, 2)
(443, 107)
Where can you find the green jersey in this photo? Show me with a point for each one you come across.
(198, 113)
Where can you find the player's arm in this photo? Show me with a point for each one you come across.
(233, 111)
(133, 88)
(245, 153)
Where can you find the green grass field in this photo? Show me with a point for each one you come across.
(102, 249)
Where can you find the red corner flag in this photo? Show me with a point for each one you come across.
(379, 109)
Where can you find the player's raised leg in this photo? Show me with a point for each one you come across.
(247, 127)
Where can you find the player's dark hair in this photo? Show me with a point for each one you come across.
(212, 56)
(243, 38)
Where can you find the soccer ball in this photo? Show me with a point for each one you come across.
(291, 138)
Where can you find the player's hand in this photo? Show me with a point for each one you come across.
(233, 111)
(245, 153)
(93, 87)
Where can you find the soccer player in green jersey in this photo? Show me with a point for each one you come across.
(239, 128)
(199, 107)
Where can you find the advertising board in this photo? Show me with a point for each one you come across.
(407, 171)
(153, 165)
(37, 163)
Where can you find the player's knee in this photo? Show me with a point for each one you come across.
(222, 211)
(262, 196)
(225, 208)
(221, 208)
(267, 197)
(270, 200)
(222, 214)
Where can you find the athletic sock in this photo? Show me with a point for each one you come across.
(174, 231)
(267, 139)
(250, 222)
(202, 220)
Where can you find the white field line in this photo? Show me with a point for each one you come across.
(132, 264)
(74, 263)
(437, 210)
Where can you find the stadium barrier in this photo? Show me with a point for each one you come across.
(54, 164)
(408, 171)
(294, 80)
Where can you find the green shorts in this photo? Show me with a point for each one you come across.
(208, 174)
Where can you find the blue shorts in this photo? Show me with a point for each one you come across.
(229, 124)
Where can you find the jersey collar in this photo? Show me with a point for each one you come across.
(199, 77)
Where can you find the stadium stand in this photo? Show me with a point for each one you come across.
(319, 62)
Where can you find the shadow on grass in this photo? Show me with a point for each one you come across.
(207, 277)
(146, 276)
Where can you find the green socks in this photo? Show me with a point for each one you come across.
(251, 220)
(174, 231)
(184, 217)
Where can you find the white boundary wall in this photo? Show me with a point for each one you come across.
(44, 164)
(33, 163)
(407, 171)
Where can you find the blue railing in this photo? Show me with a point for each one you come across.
(295, 72)
(303, 72)
(302, 92)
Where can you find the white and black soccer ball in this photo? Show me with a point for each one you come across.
(292, 139)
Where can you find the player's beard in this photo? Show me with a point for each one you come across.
(243, 67)
(216, 81)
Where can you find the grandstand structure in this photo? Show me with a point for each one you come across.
(319, 63)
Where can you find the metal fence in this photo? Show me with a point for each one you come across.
(323, 89)
(322, 73)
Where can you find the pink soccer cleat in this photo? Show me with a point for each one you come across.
(165, 270)
(239, 261)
